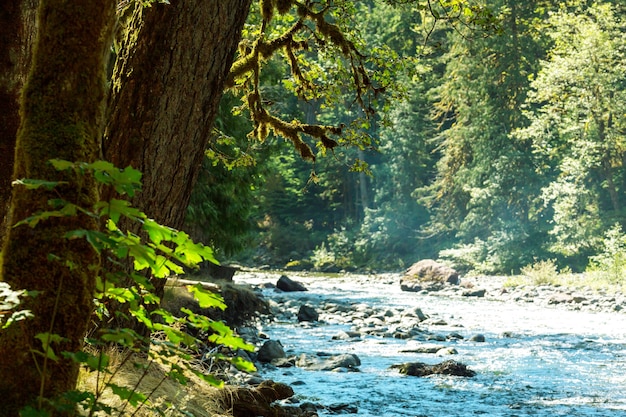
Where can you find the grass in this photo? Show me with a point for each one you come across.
(196, 398)
(546, 273)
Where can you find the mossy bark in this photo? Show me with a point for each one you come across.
(17, 24)
(61, 117)
(167, 84)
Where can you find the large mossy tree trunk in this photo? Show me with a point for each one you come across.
(167, 84)
(17, 26)
(61, 117)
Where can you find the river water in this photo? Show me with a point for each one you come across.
(536, 361)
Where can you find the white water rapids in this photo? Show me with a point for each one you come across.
(536, 361)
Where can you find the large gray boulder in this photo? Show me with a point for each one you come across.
(427, 274)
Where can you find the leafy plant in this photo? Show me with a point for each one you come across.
(160, 251)
(611, 262)
(542, 272)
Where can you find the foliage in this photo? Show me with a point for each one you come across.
(542, 272)
(611, 261)
(221, 204)
(576, 127)
(162, 252)
(485, 185)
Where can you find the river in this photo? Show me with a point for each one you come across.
(535, 361)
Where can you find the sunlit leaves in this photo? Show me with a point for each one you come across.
(224, 335)
(133, 397)
(206, 298)
(125, 181)
(576, 126)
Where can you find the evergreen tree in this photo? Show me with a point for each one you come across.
(486, 183)
(577, 129)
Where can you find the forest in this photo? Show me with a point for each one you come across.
(502, 146)
(142, 138)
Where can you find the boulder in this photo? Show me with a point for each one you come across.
(258, 401)
(348, 361)
(447, 351)
(271, 349)
(288, 285)
(415, 312)
(307, 313)
(449, 367)
(479, 338)
(426, 274)
(347, 335)
(426, 348)
(342, 408)
(474, 293)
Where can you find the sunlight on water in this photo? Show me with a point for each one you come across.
(535, 361)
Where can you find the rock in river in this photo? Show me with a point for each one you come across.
(449, 367)
(347, 361)
(288, 285)
(425, 273)
(307, 313)
(272, 349)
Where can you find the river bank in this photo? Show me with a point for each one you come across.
(536, 351)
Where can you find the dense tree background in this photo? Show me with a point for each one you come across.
(504, 146)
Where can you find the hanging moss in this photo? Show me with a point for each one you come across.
(267, 10)
(283, 6)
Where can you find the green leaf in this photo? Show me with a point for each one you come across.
(98, 240)
(122, 295)
(95, 363)
(123, 337)
(47, 339)
(31, 184)
(243, 364)
(98, 363)
(32, 412)
(197, 320)
(210, 379)
(32, 221)
(206, 298)
(133, 397)
(116, 208)
(158, 232)
(225, 336)
(125, 181)
(231, 341)
(62, 165)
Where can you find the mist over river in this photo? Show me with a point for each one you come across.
(535, 360)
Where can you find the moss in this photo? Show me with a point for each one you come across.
(283, 6)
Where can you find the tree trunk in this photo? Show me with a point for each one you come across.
(61, 110)
(167, 84)
(17, 28)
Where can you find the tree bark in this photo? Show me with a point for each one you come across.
(17, 28)
(61, 117)
(167, 84)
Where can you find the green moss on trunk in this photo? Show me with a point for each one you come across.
(61, 113)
